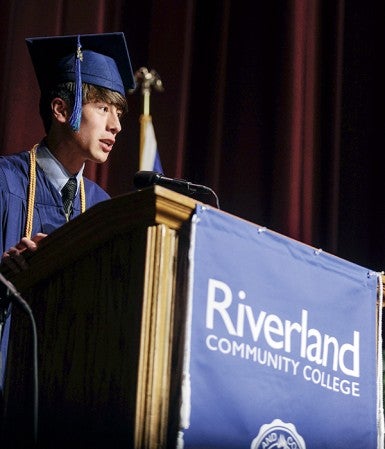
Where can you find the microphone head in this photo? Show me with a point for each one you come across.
(145, 178)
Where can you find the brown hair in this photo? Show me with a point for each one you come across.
(91, 94)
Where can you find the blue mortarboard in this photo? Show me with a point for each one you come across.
(98, 59)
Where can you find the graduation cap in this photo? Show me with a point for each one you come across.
(98, 59)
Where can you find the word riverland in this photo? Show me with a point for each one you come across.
(320, 358)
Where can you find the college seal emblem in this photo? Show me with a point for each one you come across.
(278, 435)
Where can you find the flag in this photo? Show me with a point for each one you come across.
(148, 157)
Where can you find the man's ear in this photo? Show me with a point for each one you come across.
(60, 110)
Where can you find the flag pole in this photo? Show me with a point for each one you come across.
(146, 80)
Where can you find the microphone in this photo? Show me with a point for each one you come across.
(145, 178)
(8, 293)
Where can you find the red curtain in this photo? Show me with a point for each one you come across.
(276, 105)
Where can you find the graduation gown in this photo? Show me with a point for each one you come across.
(48, 211)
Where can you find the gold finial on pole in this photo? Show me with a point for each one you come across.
(147, 80)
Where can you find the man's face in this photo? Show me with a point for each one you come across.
(98, 129)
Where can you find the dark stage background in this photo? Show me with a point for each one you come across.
(277, 105)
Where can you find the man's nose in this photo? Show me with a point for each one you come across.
(114, 124)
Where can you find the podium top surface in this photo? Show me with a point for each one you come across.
(151, 206)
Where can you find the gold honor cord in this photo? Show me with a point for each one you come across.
(32, 191)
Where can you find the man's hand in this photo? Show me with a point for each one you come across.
(14, 258)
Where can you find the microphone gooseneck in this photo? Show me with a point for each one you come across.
(8, 294)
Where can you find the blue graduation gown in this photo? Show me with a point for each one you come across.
(48, 211)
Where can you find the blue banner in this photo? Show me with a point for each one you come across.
(281, 344)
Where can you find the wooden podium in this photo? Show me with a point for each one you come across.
(108, 292)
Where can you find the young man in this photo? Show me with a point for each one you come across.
(83, 80)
